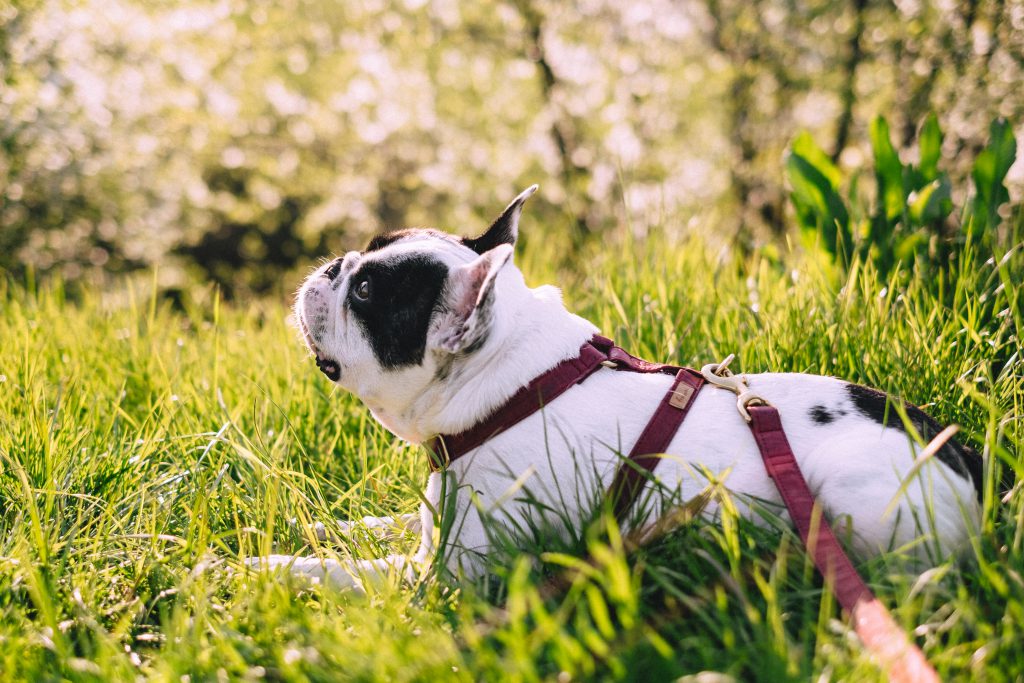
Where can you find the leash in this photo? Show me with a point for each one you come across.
(873, 623)
(904, 661)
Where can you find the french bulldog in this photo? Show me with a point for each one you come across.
(434, 332)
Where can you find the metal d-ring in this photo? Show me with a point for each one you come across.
(719, 375)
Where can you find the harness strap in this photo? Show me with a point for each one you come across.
(598, 352)
(871, 620)
(653, 441)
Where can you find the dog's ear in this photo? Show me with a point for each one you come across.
(468, 304)
(505, 229)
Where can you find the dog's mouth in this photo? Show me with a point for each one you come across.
(329, 368)
(326, 365)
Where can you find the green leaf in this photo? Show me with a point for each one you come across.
(906, 247)
(818, 204)
(931, 203)
(805, 146)
(930, 143)
(888, 170)
(989, 170)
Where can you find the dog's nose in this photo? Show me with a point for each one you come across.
(333, 269)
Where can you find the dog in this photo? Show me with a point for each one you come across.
(435, 332)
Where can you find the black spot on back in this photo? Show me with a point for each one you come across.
(404, 294)
(821, 415)
(874, 405)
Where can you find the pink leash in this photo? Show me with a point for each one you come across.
(881, 635)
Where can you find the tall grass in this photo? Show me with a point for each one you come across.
(145, 450)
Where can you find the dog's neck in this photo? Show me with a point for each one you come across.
(530, 337)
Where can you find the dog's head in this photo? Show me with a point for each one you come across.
(388, 321)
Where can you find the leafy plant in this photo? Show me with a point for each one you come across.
(911, 213)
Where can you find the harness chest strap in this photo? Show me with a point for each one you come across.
(600, 351)
(445, 449)
(654, 440)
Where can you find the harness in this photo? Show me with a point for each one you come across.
(871, 620)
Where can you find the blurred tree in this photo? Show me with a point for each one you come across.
(236, 140)
(827, 65)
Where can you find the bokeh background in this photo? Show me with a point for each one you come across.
(234, 142)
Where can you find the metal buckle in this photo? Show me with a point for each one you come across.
(719, 375)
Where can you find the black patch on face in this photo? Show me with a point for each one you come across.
(873, 405)
(821, 415)
(385, 239)
(403, 296)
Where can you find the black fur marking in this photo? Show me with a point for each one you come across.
(874, 405)
(444, 368)
(477, 343)
(821, 415)
(396, 317)
(503, 230)
(389, 238)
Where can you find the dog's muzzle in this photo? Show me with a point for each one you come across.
(326, 366)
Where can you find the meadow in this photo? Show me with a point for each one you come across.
(149, 446)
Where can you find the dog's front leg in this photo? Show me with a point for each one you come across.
(354, 575)
(382, 527)
(379, 526)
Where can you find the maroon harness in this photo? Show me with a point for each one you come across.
(872, 621)
(596, 353)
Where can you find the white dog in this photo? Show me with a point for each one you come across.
(434, 333)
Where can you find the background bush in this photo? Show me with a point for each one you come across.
(236, 140)
(910, 217)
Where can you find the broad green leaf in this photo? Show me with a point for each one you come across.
(819, 206)
(805, 146)
(930, 143)
(906, 247)
(989, 170)
(931, 203)
(888, 170)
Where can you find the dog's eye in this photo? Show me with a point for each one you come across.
(362, 290)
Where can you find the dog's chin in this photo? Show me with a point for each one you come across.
(395, 428)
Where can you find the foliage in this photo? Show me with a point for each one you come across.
(207, 136)
(908, 217)
(145, 449)
(831, 67)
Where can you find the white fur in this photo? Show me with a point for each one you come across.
(571, 450)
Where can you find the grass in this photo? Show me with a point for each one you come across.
(144, 450)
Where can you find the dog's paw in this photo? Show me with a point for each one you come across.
(313, 570)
